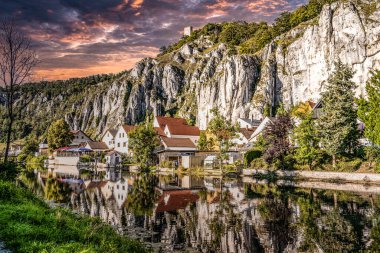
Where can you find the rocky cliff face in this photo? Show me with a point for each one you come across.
(200, 76)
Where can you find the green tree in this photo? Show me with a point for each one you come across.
(337, 124)
(369, 109)
(142, 141)
(306, 137)
(204, 143)
(224, 131)
(59, 135)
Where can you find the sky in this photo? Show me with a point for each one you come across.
(76, 38)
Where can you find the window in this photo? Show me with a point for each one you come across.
(123, 187)
(124, 144)
(118, 144)
(119, 135)
(117, 187)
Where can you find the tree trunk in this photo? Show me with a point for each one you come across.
(9, 127)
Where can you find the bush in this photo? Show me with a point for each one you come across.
(259, 163)
(8, 171)
(251, 155)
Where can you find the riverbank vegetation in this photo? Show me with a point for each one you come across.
(27, 224)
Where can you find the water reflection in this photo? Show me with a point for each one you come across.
(181, 213)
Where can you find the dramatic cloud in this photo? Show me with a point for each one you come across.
(80, 38)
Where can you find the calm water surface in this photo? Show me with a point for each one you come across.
(177, 213)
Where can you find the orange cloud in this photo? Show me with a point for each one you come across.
(137, 4)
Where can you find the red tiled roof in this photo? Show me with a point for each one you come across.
(183, 130)
(128, 128)
(178, 142)
(247, 132)
(97, 145)
(176, 200)
(160, 132)
(163, 121)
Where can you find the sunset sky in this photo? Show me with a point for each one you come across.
(76, 38)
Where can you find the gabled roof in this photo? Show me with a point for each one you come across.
(247, 132)
(113, 152)
(128, 128)
(75, 132)
(183, 130)
(178, 142)
(97, 145)
(163, 121)
(160, 132)
(262, 126)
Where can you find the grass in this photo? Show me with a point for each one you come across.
(27, 224)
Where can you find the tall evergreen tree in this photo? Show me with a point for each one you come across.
(305, 135)
(369, 109)
(338, 121)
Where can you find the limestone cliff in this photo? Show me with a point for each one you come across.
(201, 75)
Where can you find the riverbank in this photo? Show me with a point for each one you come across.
(27, 224)
(319, 175)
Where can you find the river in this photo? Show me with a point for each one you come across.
(182, 213)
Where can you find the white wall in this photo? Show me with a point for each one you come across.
(121, 141)
(79, 138)
(240, 139)
(109, 140)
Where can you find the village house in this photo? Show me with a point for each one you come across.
(109, 138)
(79, 138)
(96, 146)
(176, 128)
(113, 158)
(259, 130)
(248, 123)
(122, 139)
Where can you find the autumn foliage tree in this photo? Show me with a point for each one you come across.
(276, 136)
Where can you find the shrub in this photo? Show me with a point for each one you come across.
(251, 155)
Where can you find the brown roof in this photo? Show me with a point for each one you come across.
(311, 103)
(178, 142)
(247, 132)
(160, 132)
(97, 145)
(163, 121)
(184, 130)
(176, 200)
(128, 128)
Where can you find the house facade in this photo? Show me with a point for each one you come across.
(122, 139)
(259, 130)
(79, 138)
(176, 128)
(109, 138)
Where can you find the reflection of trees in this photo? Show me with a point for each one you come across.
(57, 191)
(142, 197)
(29, 179)
(277, 220)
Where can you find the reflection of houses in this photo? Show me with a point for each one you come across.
(175, 200)
(113, 158)
(109, 138)
(15, 149)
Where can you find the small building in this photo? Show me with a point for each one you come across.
(109, 138)
(113, 159)
(259, 130)
(243, 136)
(122, 139)
(79, 138)
(187, 31)
(248, 123)
(96, 146)
(175, 128)
(43, 147)
(15, 149)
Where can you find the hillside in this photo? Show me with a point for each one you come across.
(244, 71)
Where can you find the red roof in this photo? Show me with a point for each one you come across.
(247, 132)
(176, 200)
(97, 145)
(128, 128)
(178, 142)
(183, 130)
(163, 121)
(160, 132)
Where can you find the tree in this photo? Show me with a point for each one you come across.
(223, 131)
(306, 137)
(276, 136)
(16, 62)
(337, 123)
(59, 135)
(204, 143)
(142, 141)
(369, 109)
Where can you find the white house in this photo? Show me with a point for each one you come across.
(248, 123)
(109, 138)
(79, 138)
(259, 130)
(243, 136)
(121, 139)
(113, 158)
(176, 128)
